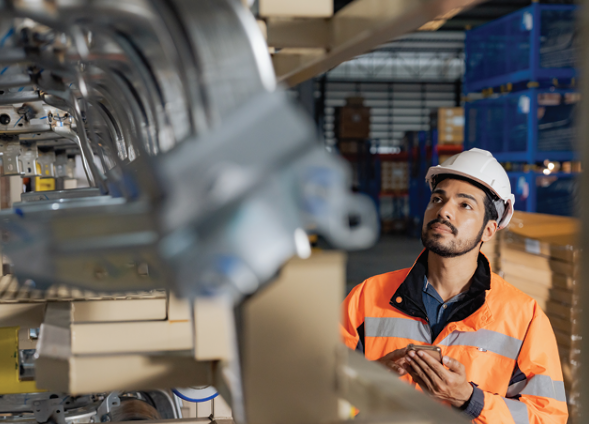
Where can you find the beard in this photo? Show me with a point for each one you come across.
(453, 250)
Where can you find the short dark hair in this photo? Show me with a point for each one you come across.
(490, 210)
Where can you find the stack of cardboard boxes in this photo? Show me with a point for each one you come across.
(539, 254)
(395, 177)
(352, 121)
(450, 124)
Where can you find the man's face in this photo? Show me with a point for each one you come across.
(454, 218)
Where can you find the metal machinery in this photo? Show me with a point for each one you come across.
(204, 178)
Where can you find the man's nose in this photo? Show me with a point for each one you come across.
(446, 212)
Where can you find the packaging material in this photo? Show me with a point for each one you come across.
(395, 176)
(450, 125)
(289, 342)
(353, 120)
(539, 254)
(295, 9)
(348, 147)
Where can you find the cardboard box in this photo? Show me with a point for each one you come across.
(353, 122)
(296, 9)
(348, 147)
(394, 176)
(450, 124)
(540, 254)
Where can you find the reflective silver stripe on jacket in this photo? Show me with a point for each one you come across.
(397, 327)
(518, 410)
(485, 339)
(543, 385)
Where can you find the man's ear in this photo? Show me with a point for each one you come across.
(489, 231)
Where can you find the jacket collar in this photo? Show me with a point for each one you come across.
(408, 297)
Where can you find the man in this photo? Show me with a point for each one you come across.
(500, 361)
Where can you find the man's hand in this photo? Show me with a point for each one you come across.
(445, 384)
(395, 361)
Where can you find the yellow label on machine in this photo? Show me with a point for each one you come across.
(9, 381)
(44, 184)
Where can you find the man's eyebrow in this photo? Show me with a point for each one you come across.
(439, 191)
(467, 196)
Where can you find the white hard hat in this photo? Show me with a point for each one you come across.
(480, 166)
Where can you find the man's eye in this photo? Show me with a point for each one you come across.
(436, 200)
(466, 205)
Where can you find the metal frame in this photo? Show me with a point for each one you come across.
(531, 153)
(355, 29)
(533, 72)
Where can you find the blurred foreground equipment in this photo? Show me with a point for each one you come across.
(204, 180)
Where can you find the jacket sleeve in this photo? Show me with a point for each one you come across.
(538, 395)
(352, 326)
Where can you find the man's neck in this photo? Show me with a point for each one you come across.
(451, 276)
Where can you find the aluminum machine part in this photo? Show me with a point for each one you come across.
(59, 408)
(208, 174)
(174, 110)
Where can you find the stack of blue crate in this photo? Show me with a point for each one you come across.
(528, 56)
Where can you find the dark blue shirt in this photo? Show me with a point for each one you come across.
(437, 310)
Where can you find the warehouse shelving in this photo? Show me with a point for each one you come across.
(535, 44)
(552, 194)
(528, 126)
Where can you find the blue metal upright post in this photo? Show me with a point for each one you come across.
(532, 144)
(435, 155)
(535, 43)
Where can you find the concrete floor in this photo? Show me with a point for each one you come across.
(389, 254)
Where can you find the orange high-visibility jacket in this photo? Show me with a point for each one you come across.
(500, 335)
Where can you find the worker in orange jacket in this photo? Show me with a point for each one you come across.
(500, 362)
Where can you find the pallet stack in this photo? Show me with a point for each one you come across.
(540, 255)
(450, 126)
(395, 176)
(352, 121)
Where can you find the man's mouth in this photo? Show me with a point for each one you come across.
(441, 228)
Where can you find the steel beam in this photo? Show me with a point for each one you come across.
(358, 28)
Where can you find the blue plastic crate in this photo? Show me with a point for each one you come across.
(554, 194)
(537, 43)
(529, 126)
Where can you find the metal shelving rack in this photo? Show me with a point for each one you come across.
(527, 46)
(517, 128)
(527, 56)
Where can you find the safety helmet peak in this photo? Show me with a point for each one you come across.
(480, 166)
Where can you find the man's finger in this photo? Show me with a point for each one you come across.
(398, 369)
(436, 366)
(420, 373)
(432, 375)
(419, 381)
(453, 365)
(416, 378)
(395, 354)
